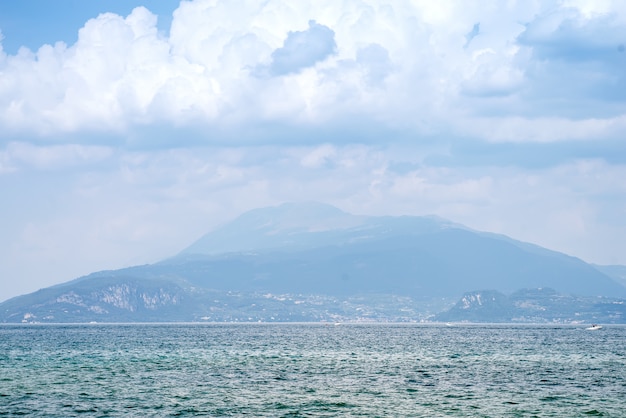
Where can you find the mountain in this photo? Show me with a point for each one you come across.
(617, 273)
(328, 250)
(541, 305)
(312, 262)
(302, 226)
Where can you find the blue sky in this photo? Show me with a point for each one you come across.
(129, 128)
(32, 23)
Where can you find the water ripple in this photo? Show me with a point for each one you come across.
(311, 370)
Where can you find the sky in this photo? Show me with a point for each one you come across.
(128, 129)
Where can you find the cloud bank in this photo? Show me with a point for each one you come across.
(421, 68)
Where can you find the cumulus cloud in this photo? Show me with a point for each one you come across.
(335, 72)
(402, 66)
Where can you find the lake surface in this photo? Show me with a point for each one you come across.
(306, 370)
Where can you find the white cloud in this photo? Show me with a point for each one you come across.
(541, 129)
(397, 65)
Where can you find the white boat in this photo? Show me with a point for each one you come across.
(594, 327)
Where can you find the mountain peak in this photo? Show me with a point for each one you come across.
(290, 216)
(300, 225)
(274, 226)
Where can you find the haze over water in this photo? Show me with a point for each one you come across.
(311, 370)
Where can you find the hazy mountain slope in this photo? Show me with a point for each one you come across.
(298, 226)
(318, 248)
(444, 263)
(313, 249)
(616, 272)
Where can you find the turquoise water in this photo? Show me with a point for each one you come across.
(293, 370)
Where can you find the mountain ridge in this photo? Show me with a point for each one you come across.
(320, 253)
(286, 224)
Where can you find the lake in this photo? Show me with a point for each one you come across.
(311, 370)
